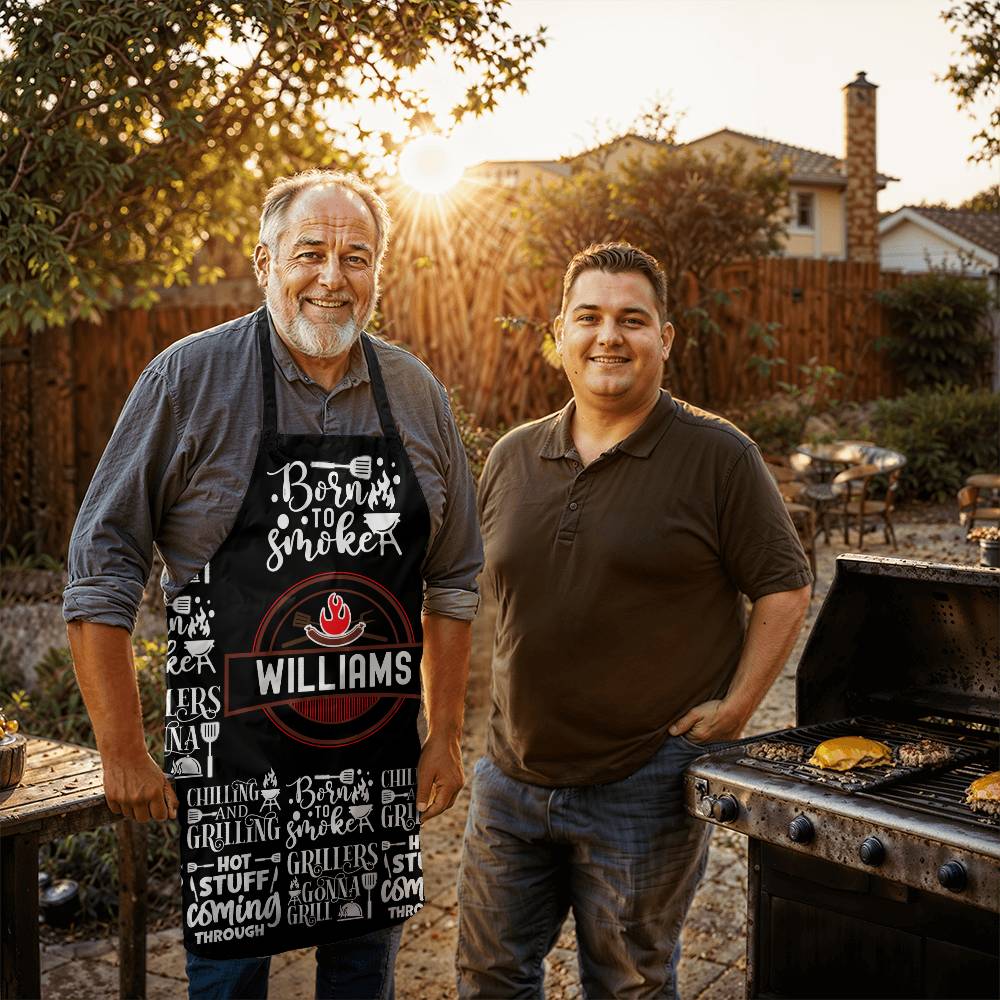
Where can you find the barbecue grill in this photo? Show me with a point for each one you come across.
(876, 882)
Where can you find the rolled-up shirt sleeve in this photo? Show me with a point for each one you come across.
(111, 548)
(455, 554)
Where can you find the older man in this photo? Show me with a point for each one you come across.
(621, 535)
(308, 491)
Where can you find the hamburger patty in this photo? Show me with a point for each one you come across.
(983, 795)
(922, 753)
(788, 753)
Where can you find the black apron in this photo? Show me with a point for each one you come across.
(293, 688)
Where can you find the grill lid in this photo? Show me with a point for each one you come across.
(904, 637)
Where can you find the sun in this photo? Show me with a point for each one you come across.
(430, 164)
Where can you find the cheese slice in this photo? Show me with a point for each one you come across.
(984, 789)
(847, 752)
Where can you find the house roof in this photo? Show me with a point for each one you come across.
(804, 164)
(977, 232)
(553, 166)
(981, 228)
(613, 142)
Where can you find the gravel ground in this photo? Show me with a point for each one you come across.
(714, 939)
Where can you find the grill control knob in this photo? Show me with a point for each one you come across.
(872, 852)
(952, 876)
(725, 809)
(800, 830)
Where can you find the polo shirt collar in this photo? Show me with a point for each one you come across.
(357, 368)
(558, 443)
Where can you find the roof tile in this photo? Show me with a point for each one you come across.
(981, 228)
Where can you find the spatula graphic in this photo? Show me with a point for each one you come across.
(390, 796)
(197, 815)
(361, 467)
(345, 777)
(209, 733)
(368, 881)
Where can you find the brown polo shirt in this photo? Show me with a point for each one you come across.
(619, 585)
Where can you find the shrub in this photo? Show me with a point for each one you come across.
(776, 425)
(477, 440)
(946, 435)
(780, 423)
(938, 336)
(55, 710)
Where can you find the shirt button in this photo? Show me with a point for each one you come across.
(573, 505)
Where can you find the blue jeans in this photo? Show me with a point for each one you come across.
(354, 969)
(625, 857)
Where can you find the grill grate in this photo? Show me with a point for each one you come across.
(942, 794)
(967, 747)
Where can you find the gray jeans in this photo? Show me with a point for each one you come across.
(624, 857)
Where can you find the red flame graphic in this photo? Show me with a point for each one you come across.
(335, 619)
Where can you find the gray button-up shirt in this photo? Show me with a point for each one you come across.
(179, 462)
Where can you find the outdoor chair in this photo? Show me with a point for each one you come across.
(781, 473)
(789, 486)
(818, 494)
(973, 507)
(853, 487)
(804, 520)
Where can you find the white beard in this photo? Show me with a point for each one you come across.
(326, 341)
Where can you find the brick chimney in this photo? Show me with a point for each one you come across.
(859, 159)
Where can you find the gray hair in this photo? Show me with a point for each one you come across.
(283, 192)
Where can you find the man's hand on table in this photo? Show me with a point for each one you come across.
(135, 786)
(440, 775)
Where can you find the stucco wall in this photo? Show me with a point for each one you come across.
(826, 240)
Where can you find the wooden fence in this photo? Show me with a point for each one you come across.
(454, 270)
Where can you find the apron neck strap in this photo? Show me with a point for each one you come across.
(385, 420)
(270, 426)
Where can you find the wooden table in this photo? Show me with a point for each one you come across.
(62, 793)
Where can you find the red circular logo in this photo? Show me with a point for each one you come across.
(339, 614)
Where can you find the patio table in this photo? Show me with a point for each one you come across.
(833, 454)
(62, 792)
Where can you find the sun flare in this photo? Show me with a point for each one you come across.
(431, 164)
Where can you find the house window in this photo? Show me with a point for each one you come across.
(804, 210)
